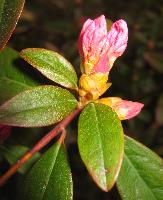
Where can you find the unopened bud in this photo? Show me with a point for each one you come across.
(124, 109)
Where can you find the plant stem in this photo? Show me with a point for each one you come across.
(39, 145)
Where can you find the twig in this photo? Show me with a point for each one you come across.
(62, 137)
(39, 145)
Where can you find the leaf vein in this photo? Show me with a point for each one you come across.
(150, 190)
(100, 143)
(52, 167)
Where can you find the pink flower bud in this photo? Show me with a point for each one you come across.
(4, 132)
(99, 49)
(117, 37)
(92, 43)
(124, 109)
(127, 109)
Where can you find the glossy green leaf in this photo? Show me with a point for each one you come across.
(10, 11)
(50, 178)
(101, 143)
(52, 65)
(13, 153)
(13, 79)
(40, 106)
(141, 175)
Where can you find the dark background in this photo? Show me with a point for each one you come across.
(136, 76)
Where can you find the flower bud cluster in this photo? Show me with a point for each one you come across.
(98, 50)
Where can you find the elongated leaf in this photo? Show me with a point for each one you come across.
(52, 65)
(13, 79)
(40, 106)
(141, 175)
(10, 11)
(50, 178)
(13, 153)
(101, 143)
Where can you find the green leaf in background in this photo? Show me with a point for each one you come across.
(40, 106)
(10, 11)
(52, 65)
(13, 79)
(13, 153)
(141, 174)
(50, 178)
(101, 143)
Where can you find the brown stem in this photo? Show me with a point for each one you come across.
(62, 137)
(39, 145)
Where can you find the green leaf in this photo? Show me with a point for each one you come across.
(40, 106)
(13, 153)
(52, 65)
(50, 178)
(141, 174)
(101, 143)
(13, 79)
(10, 11)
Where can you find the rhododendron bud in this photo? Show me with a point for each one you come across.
(124, 109)
(98, 50)
(4, 132)
(92, 43)
(117, 37)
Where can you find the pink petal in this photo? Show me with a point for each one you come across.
(92, 40)
(102, 65)
(127, 109)
(80, 40)
(117, 37)
(95, 43)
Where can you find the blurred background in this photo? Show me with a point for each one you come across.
(136, 76)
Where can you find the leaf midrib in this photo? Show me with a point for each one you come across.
(47, 106)
(132, 165)
(53, 164)
(99, 135)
